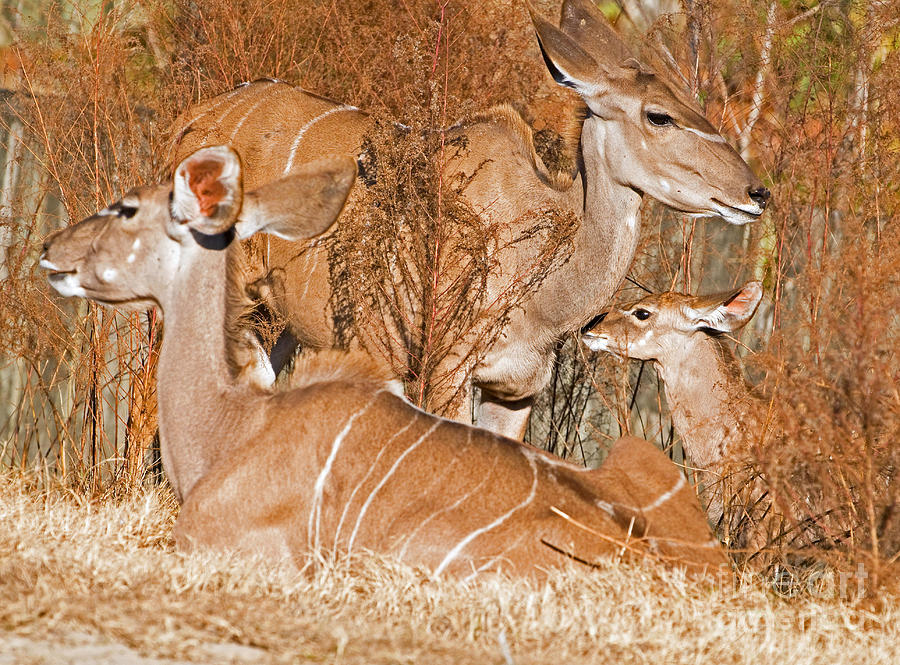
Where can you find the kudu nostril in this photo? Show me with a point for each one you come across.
(760, 196)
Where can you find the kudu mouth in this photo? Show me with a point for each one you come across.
(743, 214)
(737, 215)
(52, 269)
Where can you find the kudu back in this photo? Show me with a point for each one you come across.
(638, 137)
(341, 462)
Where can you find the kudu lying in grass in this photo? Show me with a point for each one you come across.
(340, 461)
(716, 413)
(639, 137)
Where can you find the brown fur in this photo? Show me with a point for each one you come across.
(722, 424)
(332, 365)
(506, 116)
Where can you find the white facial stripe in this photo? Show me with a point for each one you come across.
(453, 553)
(715, 138)
(595, 342)
(68, 286)
(306, 127)
(645, 337)
(666, 187)
(131, 258)
(136, 245)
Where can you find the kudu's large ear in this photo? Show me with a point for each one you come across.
(569, 64)
(302, 205)
(207, 190)
(725, 312)
(583, 21)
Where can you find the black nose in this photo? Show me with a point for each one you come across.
(593, 322)
(760, 196)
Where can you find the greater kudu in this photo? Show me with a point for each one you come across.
(639, 137)
(341, 462)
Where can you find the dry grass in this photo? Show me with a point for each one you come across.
(107, 569)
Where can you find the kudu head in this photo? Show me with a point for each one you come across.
(653, 140)
(654, 326)
(127, 254)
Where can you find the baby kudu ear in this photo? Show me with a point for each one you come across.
(302, 205)
(726, 312)
(207, 191)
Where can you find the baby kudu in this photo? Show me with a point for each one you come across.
(714, 410)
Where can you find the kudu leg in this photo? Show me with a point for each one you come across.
(504, 417)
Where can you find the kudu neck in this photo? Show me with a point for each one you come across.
(708, 398)
(194, 383)
(607, 238)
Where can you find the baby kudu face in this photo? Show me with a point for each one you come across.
(650, 328)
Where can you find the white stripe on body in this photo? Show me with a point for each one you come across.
(384, 480)
(453, 553)
(362, 482)
(533, 454)
(453, 505)
(493, 560)
(218, 121)
(315, 512)
(306, 127)
(667, 495)
(308, 251)
(260, 102)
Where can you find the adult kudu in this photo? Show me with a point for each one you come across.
(639, 137)
(341, 462)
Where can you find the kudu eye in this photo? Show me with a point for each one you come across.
(659, 119)
(127, 211)
(641, 314)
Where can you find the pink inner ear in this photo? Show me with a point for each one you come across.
(740, 302)
(203, 179)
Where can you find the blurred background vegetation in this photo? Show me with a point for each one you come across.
(809, 92)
